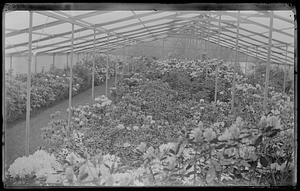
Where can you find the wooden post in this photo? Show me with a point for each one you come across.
(53, 63)
(116, 74)
(246, 64)
(106, 84)
(268, 64)
(35, 62)
(4, 128)
(93, 70)
(123, 64)
(28, 84)
(196, 48)
(235, 64)
(208, 39)
(293, 79)
(284, 69)
(256, 49)
(217, 67)
(10, 68)
(71, 78)
(67, 60)
(163, 46)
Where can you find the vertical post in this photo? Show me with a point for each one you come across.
(163, 46)
(235, 64)
(71, 78)
(187, 50)
(246, 64)
(28, 84)
(116, 74)
(4, 102)
(123, 66)
(256, 49)
(217, 67)
(268, 64)
(196, 47)
(294, 77)
(35, 62)
(53, 63)
(284, 69)
(67, 60)
(10, 68)
(106, 84)
(93, 70)
(205, 45)
(208, 41)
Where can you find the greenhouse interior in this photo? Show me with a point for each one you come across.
(149, 97)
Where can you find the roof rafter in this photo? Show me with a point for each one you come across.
(91, 41)
(83, 29)
(54, 23)
(100, 42)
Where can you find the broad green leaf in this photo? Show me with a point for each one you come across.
(211, 175)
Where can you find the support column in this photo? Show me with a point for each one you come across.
(268, 64)
(116, 74)
(208, 39)
(256, 49)
(53, 62)
(71, 78)
(106, 84)
(246, 64)
(35, 62)
(217, 67)
(235, 65)
(28, 84)
(284, 69)
(123, 67)
(93, 70)
(67, 60)
(10, 68)
(294, 78)
(163, 46)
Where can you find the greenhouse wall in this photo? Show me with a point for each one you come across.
(183, 48)
(44, 63)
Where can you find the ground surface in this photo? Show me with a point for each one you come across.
(15, 132)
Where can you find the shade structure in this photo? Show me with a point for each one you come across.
(51, 32)
(172, 73)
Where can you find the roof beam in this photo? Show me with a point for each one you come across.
(258, 24)
(83, 29)
(82, 37)
(99, 46)
(135, 37)
(258, 34)
(232, 25)
(54, 23)
(140, 21)
(156, 38)
(249, 38)
(244, 41)
(278, 17)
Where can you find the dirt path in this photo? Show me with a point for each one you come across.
(15, 134)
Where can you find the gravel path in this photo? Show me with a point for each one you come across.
(15, 133)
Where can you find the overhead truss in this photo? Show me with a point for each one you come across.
(137, 27)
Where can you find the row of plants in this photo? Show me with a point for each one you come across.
(153, 132)
(276, 77)
(50, 87)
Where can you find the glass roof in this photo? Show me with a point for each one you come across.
(52, 30)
